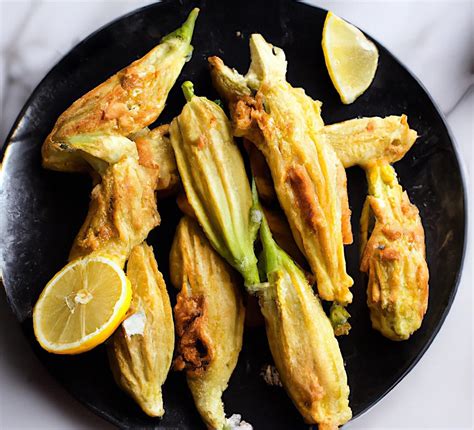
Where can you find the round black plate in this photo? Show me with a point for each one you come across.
(41, 211)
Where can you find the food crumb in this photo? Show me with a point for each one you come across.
(235, 422)
(270, 375)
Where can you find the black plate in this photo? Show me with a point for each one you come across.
(42, 210)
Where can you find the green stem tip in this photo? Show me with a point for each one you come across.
(270, 248)
(185, 32)
(339, 318)
(188, 90)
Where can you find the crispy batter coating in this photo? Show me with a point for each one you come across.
(362, 141)
(140, 362)
(128, 101)
(346, 228)
(393, 255)
(283, 122)
(155, 152)
(209, 318)
(266, 191)
(123, 204)
(302, 340)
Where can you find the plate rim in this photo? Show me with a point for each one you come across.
(9, 140)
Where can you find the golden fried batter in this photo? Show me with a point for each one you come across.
(362, 141)
(266, 191)
(393, 255)
(155, 152)
(140, 361)
(209, 318)
(123, 204)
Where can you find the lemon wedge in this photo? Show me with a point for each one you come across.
(351, 59)
(82, 305)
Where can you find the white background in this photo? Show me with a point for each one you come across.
(433, 38)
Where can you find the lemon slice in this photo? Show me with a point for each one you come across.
(81, 306)
(351, 59)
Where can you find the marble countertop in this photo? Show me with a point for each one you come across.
(433, 38)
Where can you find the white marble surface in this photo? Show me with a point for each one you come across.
(433, 38)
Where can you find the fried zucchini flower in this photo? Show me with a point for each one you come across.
(209, 317)
(393, 255)
(125, 103)
(302, 340)
(361, 141)
(309, 179)
(141, 349)
(393, 244)
(123, 203)
(213, 175)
